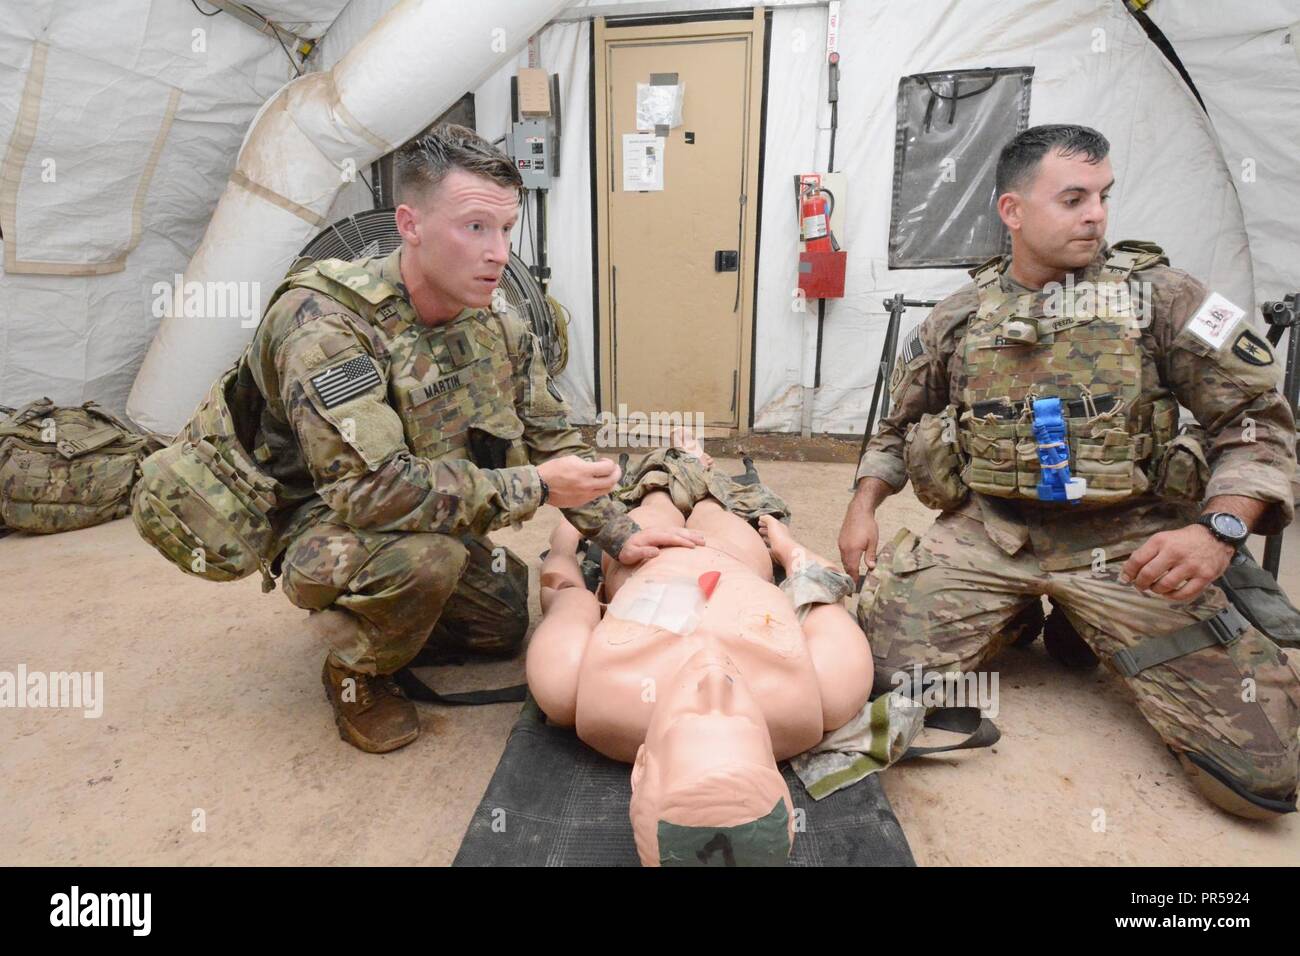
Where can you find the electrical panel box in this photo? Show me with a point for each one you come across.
(533, 148)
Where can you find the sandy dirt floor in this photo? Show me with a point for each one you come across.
(214, 712)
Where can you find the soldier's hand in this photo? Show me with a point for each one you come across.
(645, 544)
(859, 535)
(1177, 565)
(575, 481)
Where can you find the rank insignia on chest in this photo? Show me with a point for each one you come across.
(459, 347)
(439, 386)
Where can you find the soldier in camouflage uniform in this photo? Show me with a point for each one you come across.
(1127, 562)
(413, 413)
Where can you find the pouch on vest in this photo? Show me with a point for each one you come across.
(203, 503)
(990, 447)
(932, 456)
(1182, 473)
(496, 441)
(1260, 599)
(1108, 458)
(66, 468)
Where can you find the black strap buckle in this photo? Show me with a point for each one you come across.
(1227, 625)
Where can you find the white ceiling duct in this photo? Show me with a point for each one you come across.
(319, 129)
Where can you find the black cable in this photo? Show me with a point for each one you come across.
(275, 31)
(1157, 36)
(532, 239)
(523, 226)
(201, 10)
(835, 125)
(957, 96)
(374, 196)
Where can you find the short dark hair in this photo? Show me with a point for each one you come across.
(421, 164)
(1020, 157)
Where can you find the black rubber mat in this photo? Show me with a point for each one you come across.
(553, 801)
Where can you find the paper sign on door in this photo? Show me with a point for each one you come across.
(643, 162)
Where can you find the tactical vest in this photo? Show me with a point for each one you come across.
(66, 468)
(206, 504)
(453, 385)
(1079, 343)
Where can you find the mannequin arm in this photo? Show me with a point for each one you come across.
(556, 651)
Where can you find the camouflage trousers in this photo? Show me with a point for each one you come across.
(945, 601)
(379, 598)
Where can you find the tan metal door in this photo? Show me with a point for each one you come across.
(678, 336)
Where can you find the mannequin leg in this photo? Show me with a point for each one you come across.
(656, 511)
(842, 659)
(731, 535)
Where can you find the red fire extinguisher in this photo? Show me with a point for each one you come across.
(814, 219)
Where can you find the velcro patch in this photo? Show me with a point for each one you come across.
(1250, 348)
(441, 386)
(458, 344)
(1215, 319)
(912, 347)
(340, 383)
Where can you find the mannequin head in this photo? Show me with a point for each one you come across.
(705, 788)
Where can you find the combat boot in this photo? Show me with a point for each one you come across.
(372, 714)
(1065, 644)
(1023, 629)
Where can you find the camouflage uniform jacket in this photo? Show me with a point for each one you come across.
(373, 413)
(1227, 377)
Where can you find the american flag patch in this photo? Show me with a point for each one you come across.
(342, 382)
(912, 346)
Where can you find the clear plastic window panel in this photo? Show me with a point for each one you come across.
(951, 126)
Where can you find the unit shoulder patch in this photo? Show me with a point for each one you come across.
(1215, 320)
(1250, 348)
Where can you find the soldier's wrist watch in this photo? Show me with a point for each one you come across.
(546, 490)
(1225, 526)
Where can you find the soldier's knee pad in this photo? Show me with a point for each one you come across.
(514, 622)
(1228, 793)
(515, 627)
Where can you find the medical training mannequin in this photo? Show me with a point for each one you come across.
(702, 673)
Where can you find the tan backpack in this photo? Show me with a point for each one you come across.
(66, 468)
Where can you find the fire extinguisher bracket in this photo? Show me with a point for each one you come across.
(821, 273)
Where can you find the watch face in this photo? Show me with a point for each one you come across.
(1230, 526)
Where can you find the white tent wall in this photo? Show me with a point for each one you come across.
(1172, 186)
(798, 141)
(1093, 65)
(79, 337)
(83, 337)
(563, 48)
(352, 24)
(1245, 61)
(304, 18)
(298, 152)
